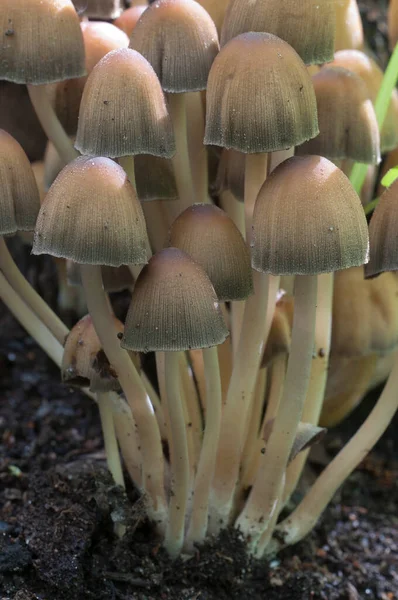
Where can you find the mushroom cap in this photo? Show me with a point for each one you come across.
(128, 19)
(307, 220)
(173, 307)
(19, 194)
(155, 179)
(180, 41)
(392, 16)
(349, 29)
(92, 215)
(99, 9)
(216, 9)
(211, 238)
(358, 62)
(99, 39)
(114, 279)
(365, 314)
(260, 97)
(347, 120)
(123, 110)
(84, 362)
(383, 228)
(308, 25)
(41, 45)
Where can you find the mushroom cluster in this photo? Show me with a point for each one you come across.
(199, 156)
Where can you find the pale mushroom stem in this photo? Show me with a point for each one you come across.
(200, 509)
(110, 443)
(50, 123)
(141, 407)
(256, 325)
(255, 175)
(305, 516)
(128, 438)
(319, 372)
(30, 321)
(23, 288)
(197, 149)
(265, 494)
(179, 461)
(182, 167)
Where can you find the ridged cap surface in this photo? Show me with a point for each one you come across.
(307, 25)
(211, 239)
(123, 111)
(173, 307)
(308, 220)
(260, 97)
(41, 43)
(92, 215)
(383, 234)
(19, 195)
(347, 121)
(180, 41)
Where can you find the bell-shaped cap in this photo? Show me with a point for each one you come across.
(211, 238)
(99, 9)
(99, 39)
(365, 314)
(129, 18)
(92, 215)
(114, 279)
(347, 121)
(231, 173)
(349, 29)
(154, 177)
(308, 25)
(123, 110)
(19, 195)
(307, 220)
(260, 97)
(180, 41)
(383, 234)
(173, 307)
(41, 43)
(358, 62)
(84, 362)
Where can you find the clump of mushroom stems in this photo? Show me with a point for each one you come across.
(173, 444)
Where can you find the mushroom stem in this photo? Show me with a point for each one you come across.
(182, 167)
(255, 175)
(256, 325)
(127, 435)
(305, 516)
(319, 372)
(141, 407)
(255, 519)
(192, 404)
(156, 223)
(127, 163)
(23, 288)
(197, 150)
(30, 321)
(200, 510)
(110, 443)
(50, 123)
(178, 458)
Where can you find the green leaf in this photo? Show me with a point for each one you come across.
(390, 177)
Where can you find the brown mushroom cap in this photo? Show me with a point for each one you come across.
(99, 39)
(216, 9)
(41, 45)
(260, 97)
(308, 25)
(154, 177)
(19, 195)
(123, 111)
(84, 362)
(180, 41)
(347, 121)
(365, 314)
(383, 229)
(308, 220)
(349, 29)
(129, 18)
(92, 215)
(173, 307)
(99, 9)
(364, 66)
(211, 238)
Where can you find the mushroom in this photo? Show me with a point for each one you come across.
(349, 29)
(128, 19)
(174, 308)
